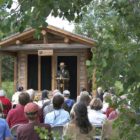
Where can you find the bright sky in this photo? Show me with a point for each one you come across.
(63, 24)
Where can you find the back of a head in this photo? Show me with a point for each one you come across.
(96, 104)
(31, 93)
(66, 93)
(81, 117)
(31, 111)
(99, 90)
(45, 94)
(85, 99)
(56, 92)
(58, 101)
(24, 98)
(20, 88)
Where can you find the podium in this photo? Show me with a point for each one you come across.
(62, 83)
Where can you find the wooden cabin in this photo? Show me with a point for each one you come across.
(37, 60)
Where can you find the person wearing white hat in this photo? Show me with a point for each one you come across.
(5, 102)
(68, 101)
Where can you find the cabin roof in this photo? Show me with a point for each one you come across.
(27, 37)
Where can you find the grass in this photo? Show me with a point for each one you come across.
(8, 87)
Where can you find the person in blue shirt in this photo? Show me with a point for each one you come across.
(5, 133)
(69, 102)
(59, 116)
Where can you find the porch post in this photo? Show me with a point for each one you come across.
(15, 73)
(39, 73)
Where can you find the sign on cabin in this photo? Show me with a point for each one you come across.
(45, 52)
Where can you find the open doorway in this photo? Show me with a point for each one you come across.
(71, 66)
(45, 72)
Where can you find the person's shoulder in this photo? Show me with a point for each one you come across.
(65, 112)
(12, 111)
(22, 127)
(50, 114)
(2, 121)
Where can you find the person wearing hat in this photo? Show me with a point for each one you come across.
(27, 131)
(69, 102)
(62, 77)
(5, 102)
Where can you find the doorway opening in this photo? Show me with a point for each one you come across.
(71, 66)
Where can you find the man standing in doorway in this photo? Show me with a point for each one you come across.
(62, 77)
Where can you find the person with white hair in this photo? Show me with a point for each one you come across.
(31, 93)
(5, 103)
(100, 93)
(15, 97)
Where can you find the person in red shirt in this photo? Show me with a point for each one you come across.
(6, 103)
(16, 115)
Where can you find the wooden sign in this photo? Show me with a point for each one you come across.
(45, 52)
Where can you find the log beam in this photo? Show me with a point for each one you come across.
(28, 47)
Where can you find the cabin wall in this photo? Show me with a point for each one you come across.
(83, 70)
(22, 69)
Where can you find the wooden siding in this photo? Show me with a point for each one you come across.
(83, 71)
(22, 69)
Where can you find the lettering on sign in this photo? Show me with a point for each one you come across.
(45, 52)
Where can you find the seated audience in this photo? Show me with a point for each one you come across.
(5, 133)
(95, 115)
(58, 116)
(100, 93)
(48, 107)
(69, 102)
(106, 98)
(81, 94)
(85, 98)
(79, 128)
(16, 96)
(31, 93)
(44, 98)
(6, 103)
(16, 115)
(27, 131)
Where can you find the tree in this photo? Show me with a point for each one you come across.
(33, 13)
(114, 24)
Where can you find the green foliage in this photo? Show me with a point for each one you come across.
(33, 13)
(7, 67)
(8, 87)
(42, 132)
(114, 24)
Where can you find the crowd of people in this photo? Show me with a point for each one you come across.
(79, 118)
